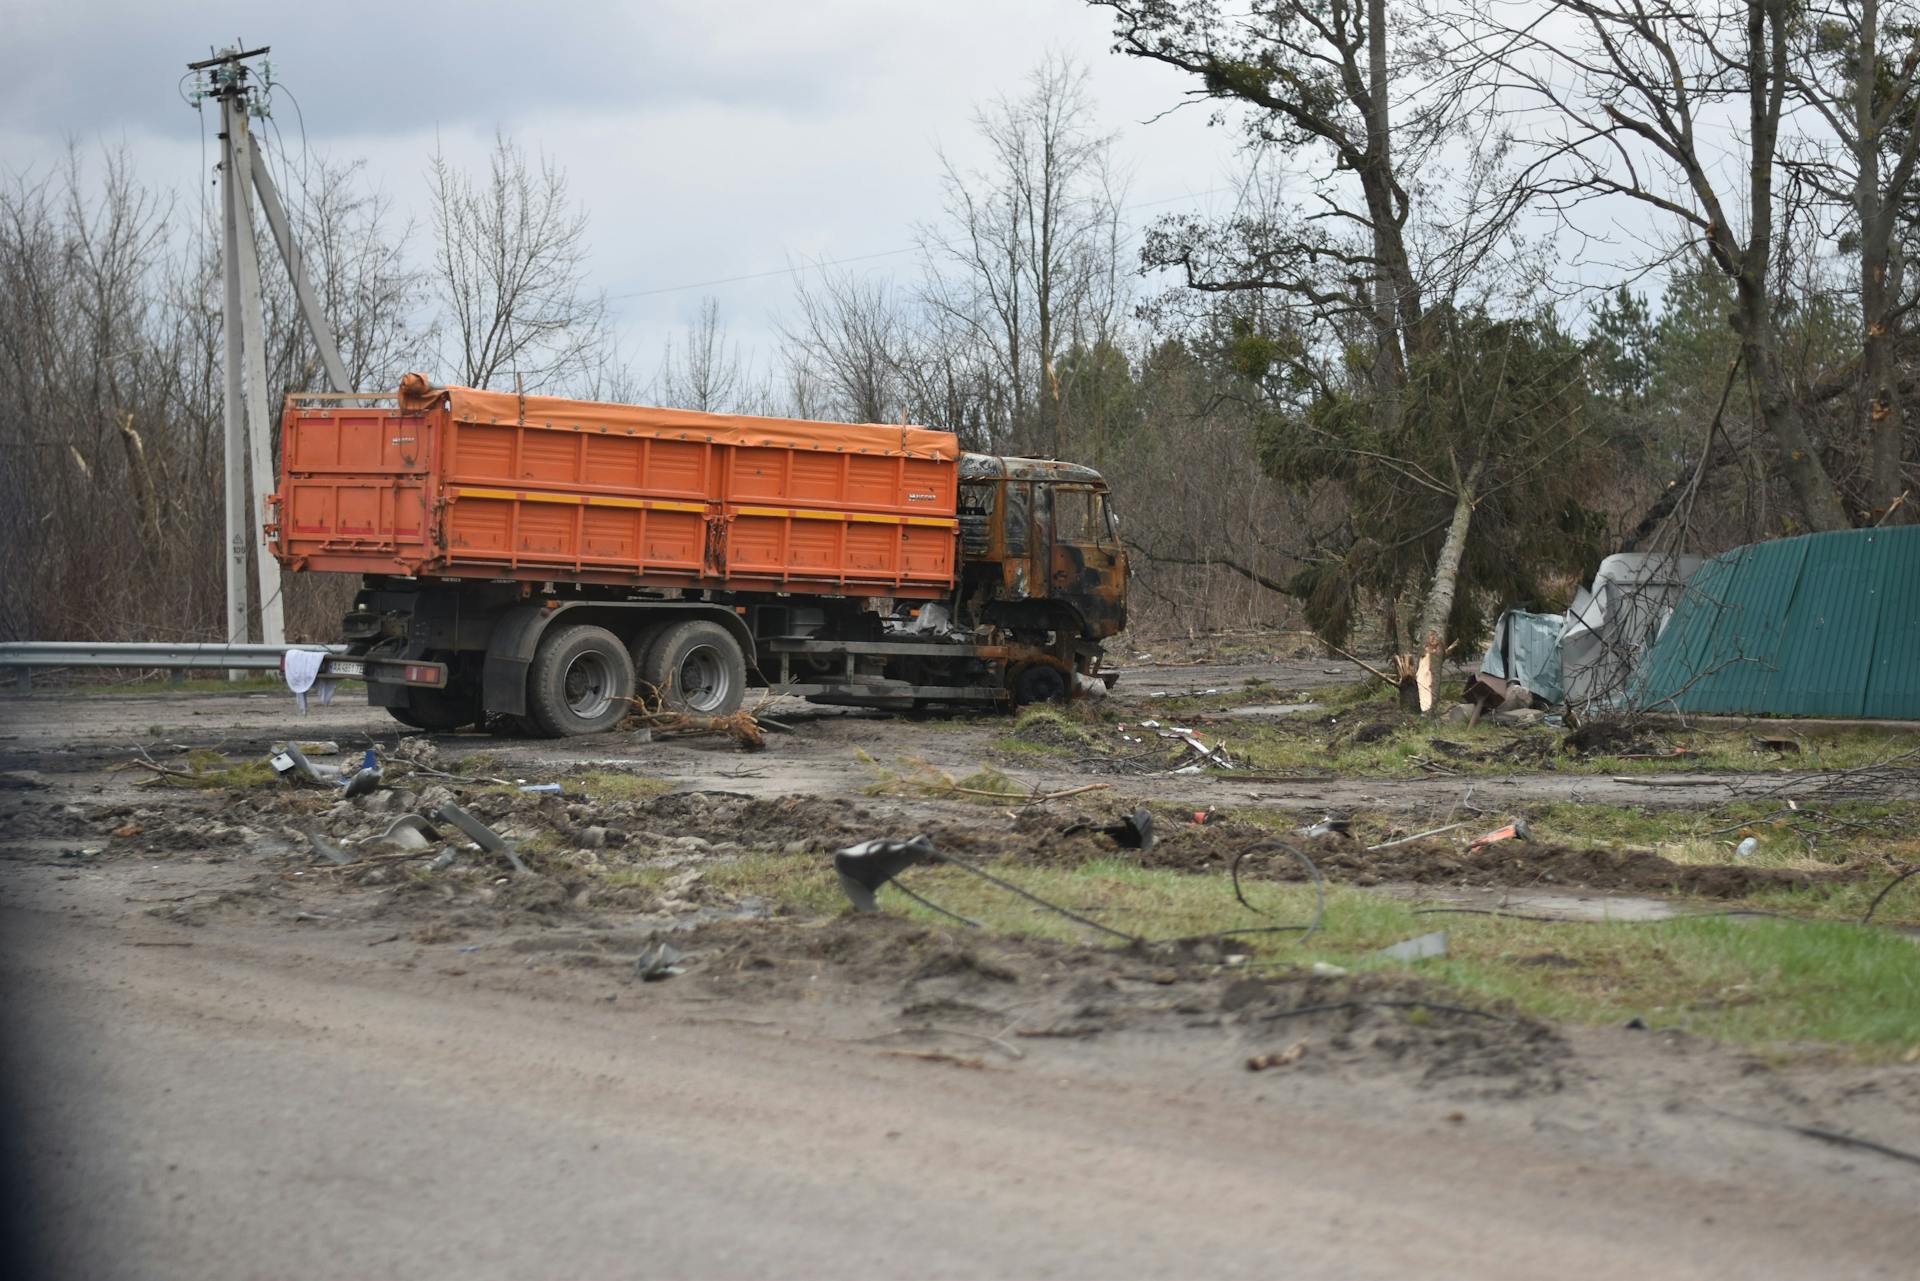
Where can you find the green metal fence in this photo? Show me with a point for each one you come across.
(1823, 625)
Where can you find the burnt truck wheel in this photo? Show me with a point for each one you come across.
(698, 668)
(581, 681)
(1038, 683)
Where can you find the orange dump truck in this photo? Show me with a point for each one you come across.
(549, 559)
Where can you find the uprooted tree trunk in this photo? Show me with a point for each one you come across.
(1420, 673)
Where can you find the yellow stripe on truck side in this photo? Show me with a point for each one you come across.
(655, 504)
(589, 500)
(866, 517)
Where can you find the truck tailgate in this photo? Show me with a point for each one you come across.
(356, 485)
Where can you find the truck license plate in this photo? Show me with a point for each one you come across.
(345, 667)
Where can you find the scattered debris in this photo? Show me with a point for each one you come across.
(366, 780)
(743, 727)
(1419, 948)
(1514, 831)
(483, 836)
(1133, 832)
(408, 832)
(1329, 825)
(659, 960)
(1279, 1059)
(865, 867)
(1417, 836)
(327, 849)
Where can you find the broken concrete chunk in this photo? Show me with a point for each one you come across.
(1419, 948)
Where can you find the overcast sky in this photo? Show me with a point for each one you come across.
(705, 140)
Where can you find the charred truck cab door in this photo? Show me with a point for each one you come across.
(1089, 567)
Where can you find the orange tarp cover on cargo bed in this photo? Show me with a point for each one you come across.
(471, 405)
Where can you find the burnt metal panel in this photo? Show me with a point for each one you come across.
(1821, 625)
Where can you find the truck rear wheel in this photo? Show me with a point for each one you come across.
(697, 667)
(581, 681)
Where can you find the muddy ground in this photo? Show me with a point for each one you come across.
(634, 857)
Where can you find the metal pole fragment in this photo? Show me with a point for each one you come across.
(317, 325)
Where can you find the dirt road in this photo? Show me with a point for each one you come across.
(271, 1103)
(227, 1068)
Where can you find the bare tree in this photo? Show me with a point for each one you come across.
(510, 269)
(111, 393)
(1024, 263)
(1865, 93)
(706, 372)
(371, 289)
(1642, 103)
(851, 336)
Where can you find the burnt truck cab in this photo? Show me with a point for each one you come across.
(1041, 556)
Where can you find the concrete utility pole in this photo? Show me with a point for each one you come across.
(242, 258)
(249, 428)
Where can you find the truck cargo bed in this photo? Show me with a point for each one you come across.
(452, 482)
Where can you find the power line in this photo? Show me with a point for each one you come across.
(842, 262)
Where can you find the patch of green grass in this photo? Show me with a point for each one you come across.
(162, 685)
(615, 785)
(1757, 983)
(916, 777)
(1354, 694)
(475, 763)
(803, 882)
(1811, 834)
(209, 769)
(1410, 745)
(1728, 749)
(1047, 731)
(1744, 981)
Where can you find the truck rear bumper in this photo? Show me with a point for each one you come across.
(385, 671)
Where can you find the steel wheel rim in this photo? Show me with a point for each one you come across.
(703, 679)
(587, 686)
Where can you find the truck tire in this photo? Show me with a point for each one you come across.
(697, 667)
(1038, 683)
(639, 645)
(581, 681)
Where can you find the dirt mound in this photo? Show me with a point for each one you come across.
(1524, 864)
(987, 989)
(1186, 846)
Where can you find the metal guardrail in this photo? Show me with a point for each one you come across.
(24, 656)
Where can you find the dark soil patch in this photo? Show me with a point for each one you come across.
(1612, 738)
(1013, 988)
(1210, 848)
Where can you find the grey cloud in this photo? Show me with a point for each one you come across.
(108, 65)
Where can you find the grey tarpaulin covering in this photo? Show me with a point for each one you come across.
(1526, 651)
(1613, 624)
(1588, 655)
